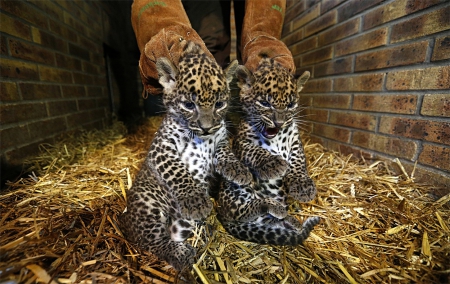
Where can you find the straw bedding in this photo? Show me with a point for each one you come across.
(59, 225)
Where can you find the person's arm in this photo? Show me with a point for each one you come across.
(263, 23)
(162, 29)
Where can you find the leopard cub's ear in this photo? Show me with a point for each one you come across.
(245, 78)
(230, 71)
(167, 74)
(302, 80)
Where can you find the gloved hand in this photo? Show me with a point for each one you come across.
(261, 32)
(162, 29)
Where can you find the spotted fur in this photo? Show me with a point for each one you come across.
(268, 143)
(170, 193)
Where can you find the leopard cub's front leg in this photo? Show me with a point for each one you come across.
(301, 188)
(230, 167)
(297, 181)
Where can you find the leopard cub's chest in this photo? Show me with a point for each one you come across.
(198, 155)
(281, 144)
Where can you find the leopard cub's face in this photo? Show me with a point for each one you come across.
(270, 96)
(196, 91)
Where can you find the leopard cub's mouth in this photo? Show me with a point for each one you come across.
(271, 132)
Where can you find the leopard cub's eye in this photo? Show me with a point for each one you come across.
(291, 105)
(219, 104)
(189, 105)
(265, 103)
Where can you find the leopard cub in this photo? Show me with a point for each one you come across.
(170, 192)
(268, 143)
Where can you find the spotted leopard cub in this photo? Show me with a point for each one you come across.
(170, 192)
(268, 143)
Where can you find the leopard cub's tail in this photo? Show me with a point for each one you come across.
(273, 233)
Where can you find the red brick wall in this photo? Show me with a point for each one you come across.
(380, 83)
(53, 74)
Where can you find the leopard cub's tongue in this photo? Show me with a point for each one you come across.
(270, 132)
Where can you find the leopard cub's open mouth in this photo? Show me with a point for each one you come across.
(270, 132)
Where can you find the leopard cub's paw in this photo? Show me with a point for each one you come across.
(276, 209)
(302, 189)
(196, 207)
(238, 173)
(271, 167)
(183, 256)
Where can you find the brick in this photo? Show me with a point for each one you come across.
(46, 128)
(306, 17)
(395, 10)
(74, 23)
(98, 113)
(14, 27)
(407, 54)
(8, 91)
(339, 66)
(84, 79)
(63, 31)
(433, 131)
(436, 105)
(293, 38)
(317, 86)
(87, 104)
(305, 100)
(362, 42)
(354, 7)
(316, 139)
(13, 113)
(89, 45)
(331, 132)
(424, 175)
(299, 71)
(427, 24)
(14, 136)
(13, 68)
(50, 8)
(441, 50)
(304, 46)
(318, 115)
(31, 52)
(3, 46)
(90, 68)
(51, 74)
(419, 79)
(311, 3)
(68, 62)
(48, 40)
(17, 155)
(349, 150)
(78, 51)
(94, 91)
(332, 101)
(400, 148)
(57, 108)
(25, 11)
(403, 104)
(339, 32)
(294, 11)
(363, 83)
(33, 91)
(354, 120)
(76, 120)
(329, 4)
(318, 55)
(287, 28)
(321, 23)
(435, 156)
(69, 91)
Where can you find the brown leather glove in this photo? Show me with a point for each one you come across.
(261, 32)
(162, 29)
